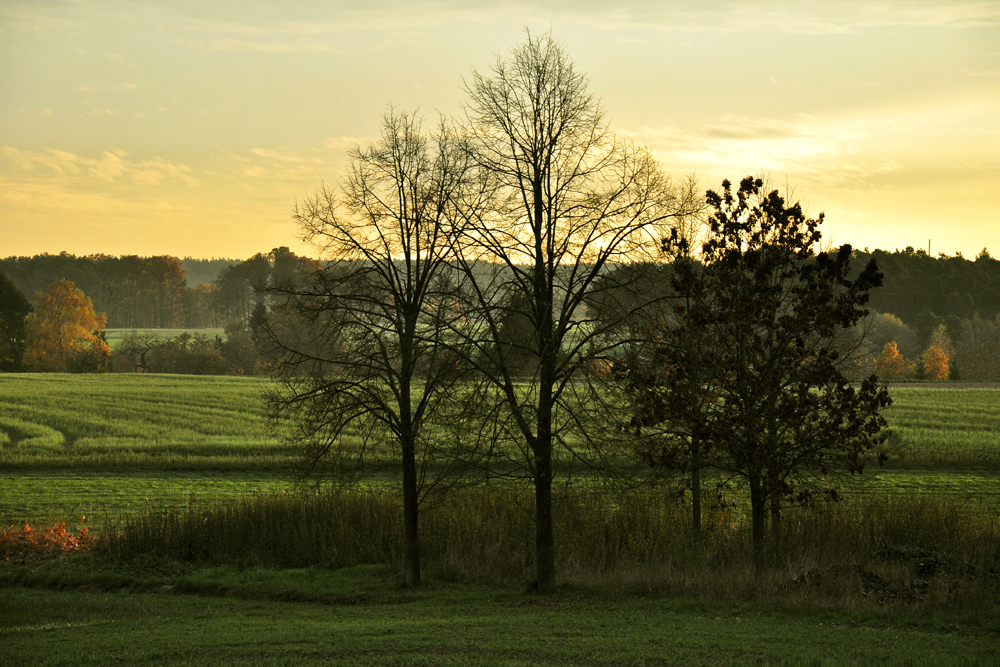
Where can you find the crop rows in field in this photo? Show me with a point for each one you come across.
(934, 428)
(129, 422)
(72, 444)
(115, 422)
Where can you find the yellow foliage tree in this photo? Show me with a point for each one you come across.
(891, 365)
(935, 362)
(64, 334)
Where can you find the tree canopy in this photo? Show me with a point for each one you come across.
(64, 334)
(359, 343)
(567, 198)
(749, 357)
(14, 307)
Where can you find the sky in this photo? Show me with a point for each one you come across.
(191, 128)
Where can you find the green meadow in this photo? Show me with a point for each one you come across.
(116, 336)
(100, 445)
(203, 539)
(349, 618)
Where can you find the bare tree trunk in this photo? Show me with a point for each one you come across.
(758, 512)
(545, 563)
(695, 486)
(545, 560)
(411, 534)
(775, 526)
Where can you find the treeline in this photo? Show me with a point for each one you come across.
(926, 292)
(187, 354)
(935, 318)
(158, 292)
(949, 303)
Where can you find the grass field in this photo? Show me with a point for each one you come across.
(115, 336)
(94, 444)
(935, 428)
(112, 447)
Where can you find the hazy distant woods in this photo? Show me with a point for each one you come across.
(949, 301)
(167, 292)
(158, 292)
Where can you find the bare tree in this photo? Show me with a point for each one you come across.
(569, 200)
(359, 344)
(134, 350)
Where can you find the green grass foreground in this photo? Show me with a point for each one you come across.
(357, 616)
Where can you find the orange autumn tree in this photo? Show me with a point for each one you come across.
(935, 361)
(64, 334)
(891, 365)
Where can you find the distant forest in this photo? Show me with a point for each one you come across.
(926, 291)
(949, 295)
(157, 292)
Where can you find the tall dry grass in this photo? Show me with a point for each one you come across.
(917, 550)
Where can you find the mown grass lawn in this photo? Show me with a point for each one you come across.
(358, 617)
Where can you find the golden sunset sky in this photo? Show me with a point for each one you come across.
(190, 128)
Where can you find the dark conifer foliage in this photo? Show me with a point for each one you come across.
(14, 307)
(745, 375)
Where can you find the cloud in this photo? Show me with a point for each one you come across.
(303, 19)
(110, 167)
(344, 143)
(297, 46)
(788, 16)
(300, 45)
(289, 170)
(95, 87)
(733, 127)
(280, 156)
(791, 16)
(29, 110)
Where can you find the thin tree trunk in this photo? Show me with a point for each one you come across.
(695, 486)
(775, 518)
(545, 561)
(411, 534)
(758, 512)
(775, 526)
(407, 441)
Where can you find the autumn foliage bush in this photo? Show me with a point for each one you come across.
(27, 543)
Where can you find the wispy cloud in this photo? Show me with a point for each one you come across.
(30, 110)
(296, 168)
(95, 87)
(110, 167)
(274, 47)
(789, 16)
